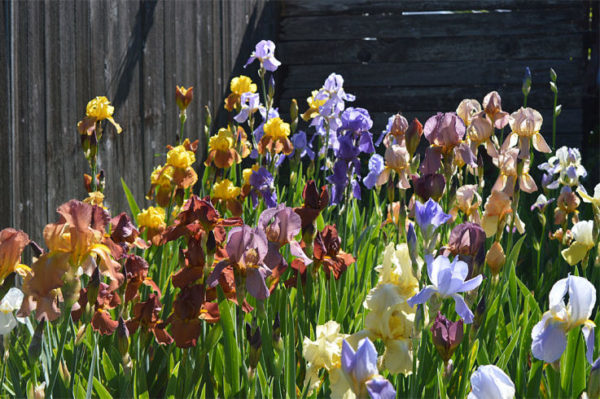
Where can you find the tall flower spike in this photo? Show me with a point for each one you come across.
(447, 280)
(549, 335)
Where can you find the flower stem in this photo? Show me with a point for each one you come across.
(61, 346)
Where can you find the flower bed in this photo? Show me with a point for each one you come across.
(309, 258)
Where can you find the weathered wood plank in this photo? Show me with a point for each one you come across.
(154, 89)
(353, 7)
(475, 49)
(412, 26)
(62, 114)
(6, 121)
(30, 183)
(443, 73)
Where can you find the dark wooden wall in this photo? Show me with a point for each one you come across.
(421, 57)
(57, 55)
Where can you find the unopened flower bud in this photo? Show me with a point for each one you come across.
(552, 75)
(446, 335)
(255, 341)
(495, 258)
(211, 243)
(413, 136)
(526, 87)
(419, 318)
(183, 97)
(429, 186)
(93, 287)
(294, 115)
(35, 346)
(479, 313)
(122, 337)
(276, 331)
(411, 241)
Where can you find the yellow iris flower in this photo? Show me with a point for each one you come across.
(100, 109)
(277, 128)
(152, 218)
(242, 84)
(225, 190)
(181, 158)
(583, 242)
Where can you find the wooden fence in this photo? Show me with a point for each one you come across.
(413, 56)
(57, 55)
(421, 57)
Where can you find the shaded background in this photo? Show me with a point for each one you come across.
(417, 57)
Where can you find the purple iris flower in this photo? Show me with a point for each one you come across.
(356, 120)
(347, 157)
(281, 225)
(360, 368)
(429, 217)
(376, 166)
(246, 249)
(250, 104)
(265, 53)
(301, 145)
(448, 279)
(261, 182)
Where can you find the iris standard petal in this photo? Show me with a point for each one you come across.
(582, 297)
(347, 357)
(557, 294)
(365, 361)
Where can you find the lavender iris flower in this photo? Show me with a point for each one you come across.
(329, 119)
(301, 145)
(265, 53)
(360, 369)
(246, 249)
(250, 104)
(376, 166)
(429, 217)
(448, 279)
(261, 182)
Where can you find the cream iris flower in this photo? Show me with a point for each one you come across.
(390, 318)
(583, 242)
(324, 352)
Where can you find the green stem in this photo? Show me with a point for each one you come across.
(554, 116)
(61, 346)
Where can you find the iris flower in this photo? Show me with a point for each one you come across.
(490, 382)
(9, 304)
(448, 279)
(358, 375)
(261, 182)
(265, 54)
(567, 165)
(549, 335)
(429, 217)
(583, 234)
(246, 248)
